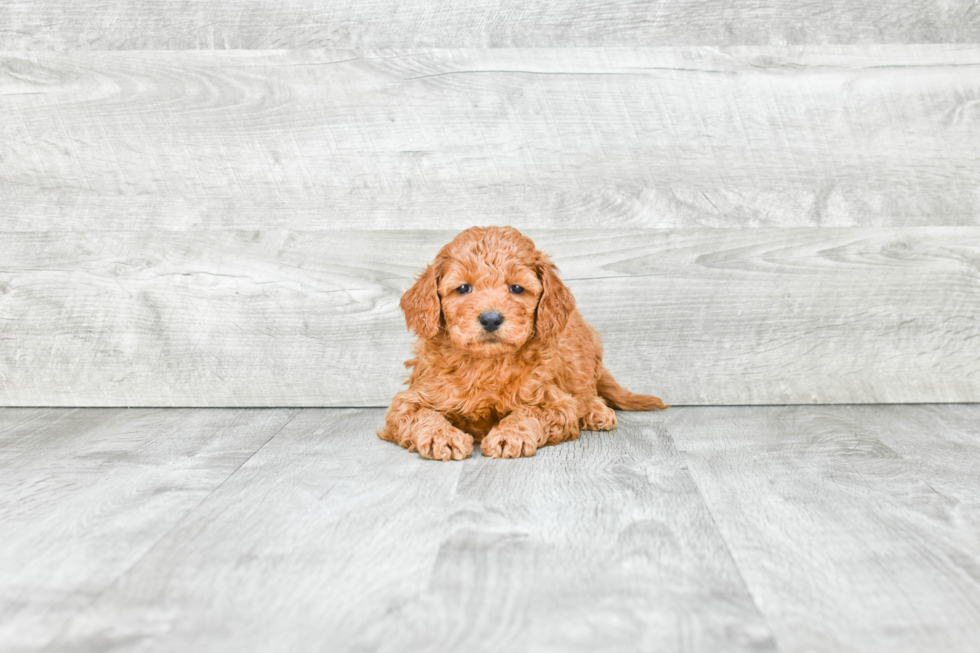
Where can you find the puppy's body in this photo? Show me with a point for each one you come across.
(503, 356)
(475, 393)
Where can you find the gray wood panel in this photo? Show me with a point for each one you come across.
(293, 318)
(948, 460)
(173, 24)
(539, 138)
(85, 494)
(602, 544)
(845, 543)
(332, 538)
(318, 535)
(831, 528)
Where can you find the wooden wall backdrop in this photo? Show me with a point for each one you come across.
(220, 205)
(301, 318)
(295, 24)
(539, 138)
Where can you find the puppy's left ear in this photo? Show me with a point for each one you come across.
(556, 303)
(423, 312)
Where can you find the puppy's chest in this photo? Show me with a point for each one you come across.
(478, 398)
(478, 395)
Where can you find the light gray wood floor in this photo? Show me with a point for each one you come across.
(826, 528)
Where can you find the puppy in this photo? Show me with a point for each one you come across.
(503, 357)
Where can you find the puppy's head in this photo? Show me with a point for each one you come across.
(491, 291)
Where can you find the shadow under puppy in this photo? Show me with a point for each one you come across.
(502, 356)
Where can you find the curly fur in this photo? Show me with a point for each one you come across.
(535, 381)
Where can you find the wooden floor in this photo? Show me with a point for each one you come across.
(819, 528)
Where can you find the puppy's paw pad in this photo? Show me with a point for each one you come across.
(510, 442)
(445, 444)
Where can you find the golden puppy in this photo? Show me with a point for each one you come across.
(502, 356)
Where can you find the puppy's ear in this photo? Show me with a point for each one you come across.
(420, 303)
(556, 303)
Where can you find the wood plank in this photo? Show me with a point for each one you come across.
(329, 537)
(288, 318)
(844, 544)
(85, 494)
(853, 527)
(538, 138)
(948, 460)
(20, 425)
(292, 24)
(599, 544)
(319, 534)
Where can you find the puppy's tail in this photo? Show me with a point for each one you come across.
(619, 397)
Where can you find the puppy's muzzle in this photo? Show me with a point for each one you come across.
(491, 320)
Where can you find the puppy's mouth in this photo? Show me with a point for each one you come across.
(484, 343)
(491, 343)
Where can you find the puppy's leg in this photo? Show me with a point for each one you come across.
(529, 427)
(410, 425)
(599, 418)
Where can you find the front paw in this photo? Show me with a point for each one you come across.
(443, 443)
(512, 440)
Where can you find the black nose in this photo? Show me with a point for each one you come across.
(491, 320)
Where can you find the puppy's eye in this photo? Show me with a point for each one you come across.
(517, 290)
(465, 288)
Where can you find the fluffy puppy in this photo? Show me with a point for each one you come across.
(503, 357)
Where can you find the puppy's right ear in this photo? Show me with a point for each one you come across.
(423, 312)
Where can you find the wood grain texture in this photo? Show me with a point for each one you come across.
(948, 460)
(290, 318)
(329, 535)
(602, 544)
(845, 543)
(538, 138)
(85, 494)
(318, 535)
(292, 24)
(791, 529)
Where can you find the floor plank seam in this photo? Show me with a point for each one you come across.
(54, 640)
(728, 550)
